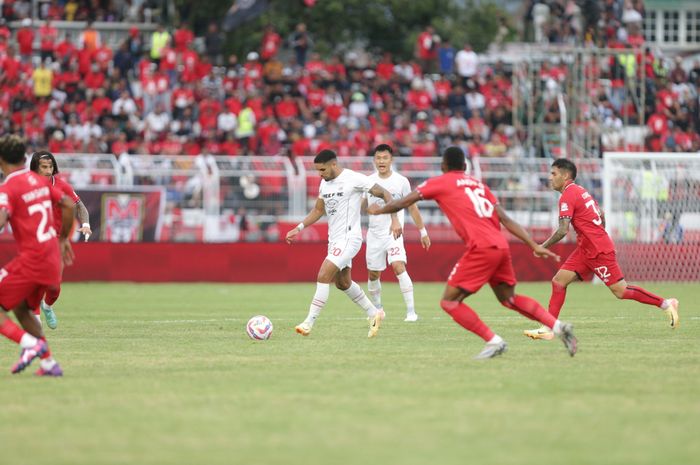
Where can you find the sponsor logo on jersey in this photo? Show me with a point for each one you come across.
(564, 207)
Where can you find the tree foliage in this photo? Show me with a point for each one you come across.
(391, 25)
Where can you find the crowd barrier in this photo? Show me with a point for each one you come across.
(261, 262)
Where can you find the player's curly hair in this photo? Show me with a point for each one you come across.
(324, 156)
(43, 155)
(13, 149)
(565, 165)
(454, 159)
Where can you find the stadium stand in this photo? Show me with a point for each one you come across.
(78, 93)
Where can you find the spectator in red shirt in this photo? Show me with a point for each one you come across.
(287, 108)
(385, 68)
(426, 50)
(182, 38)
(94, 79)
(25, 39)
(48, 36)
(270, 43)
(65, 51)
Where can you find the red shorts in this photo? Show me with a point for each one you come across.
(480, 266)
(604, 265)
(16, 288)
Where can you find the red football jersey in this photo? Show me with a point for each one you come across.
(64, 188)
(469, 205)
(576, 203)
(28, 197)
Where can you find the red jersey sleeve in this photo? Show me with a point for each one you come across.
(567, 202)
(66, 189)
(430, 188)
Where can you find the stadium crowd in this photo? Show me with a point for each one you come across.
(166, 95)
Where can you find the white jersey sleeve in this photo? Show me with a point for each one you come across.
(398, 186)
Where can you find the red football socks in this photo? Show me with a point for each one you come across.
(52, 295)
(529, 307)
(47, 354)
(556, 301)
(11, 330)
(467, 318)
(642, 295)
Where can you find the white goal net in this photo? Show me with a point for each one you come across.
(652, 211)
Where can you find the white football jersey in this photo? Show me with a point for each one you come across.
(342, 199)
(398, 186)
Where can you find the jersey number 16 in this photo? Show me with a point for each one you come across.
(482, 206)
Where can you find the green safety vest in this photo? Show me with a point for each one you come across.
(653, 186)
(245, 122)
(158, 41)
(629, 62)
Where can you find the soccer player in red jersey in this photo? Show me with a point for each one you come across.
(594, 253)
(477, 217)
(26, 202)
(44, 163)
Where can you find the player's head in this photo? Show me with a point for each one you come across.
(44, 163)
(13, 150)
(383, 155)
(563, 170)
(453, 160)
(326, 163)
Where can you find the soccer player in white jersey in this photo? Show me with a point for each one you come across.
(340, 197)
(382, 247)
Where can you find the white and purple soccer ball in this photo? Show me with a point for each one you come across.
(259, 328)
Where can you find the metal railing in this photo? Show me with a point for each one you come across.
(209, 189)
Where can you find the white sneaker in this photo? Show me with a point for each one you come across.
(374, 325)
(303, 328)
(543, 332)
(411, 317)
(492, 350)
(671, 312)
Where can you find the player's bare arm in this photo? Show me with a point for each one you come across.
(4, 216)
(84, 219)
(395, 205)
(67, 215)
(560, 233)
(518, 231)
(379, 191)
(418, 221)
(314, 215)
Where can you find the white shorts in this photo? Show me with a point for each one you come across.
(341, 253)
(381, 250)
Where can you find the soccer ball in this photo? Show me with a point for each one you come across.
(259, 328)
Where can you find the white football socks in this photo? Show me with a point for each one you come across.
(406, 286)
(496, 339)
(28, 341)
(557, 327)
(357, 295)
(317, 303)
(374, 289)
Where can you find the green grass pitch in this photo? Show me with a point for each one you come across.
(165, 374)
